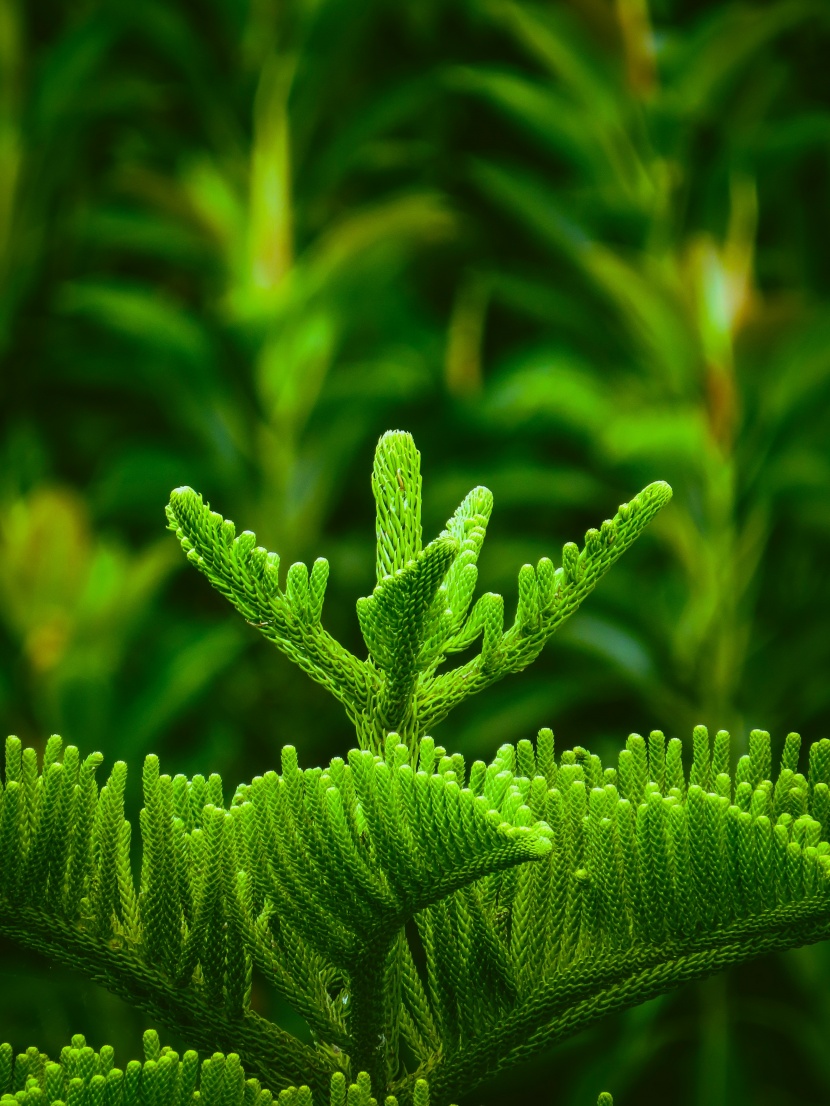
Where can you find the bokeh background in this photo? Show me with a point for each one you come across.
(573, 246)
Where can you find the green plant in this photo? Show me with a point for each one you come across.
(429, 922)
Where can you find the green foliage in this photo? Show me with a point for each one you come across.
(544, 893)
(84, 1077)
(419, 611)
(639, 879)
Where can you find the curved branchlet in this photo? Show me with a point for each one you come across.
(353, 851)
(547, 598)
(396, 485)
(393, 621)
(421, 610)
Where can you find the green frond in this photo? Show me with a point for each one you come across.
(421, 610)
(356, 850)
(392, 620)
(467, 528)
(84, 1077)
(396, 484)
(547, 598)
(248, 576)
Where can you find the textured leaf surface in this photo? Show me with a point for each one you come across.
(420, 610)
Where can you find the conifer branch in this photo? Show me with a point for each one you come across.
(308, 874)
(544, 893)
(547, 598)
(356, 850)
(630, 982)
(645, 891)
(633, 890)
(270, 1054)
(248, 576)
(420, 610)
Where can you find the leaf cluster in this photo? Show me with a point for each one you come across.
(545, 893)
(421, 610)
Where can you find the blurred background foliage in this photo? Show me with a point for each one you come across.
(573, 246)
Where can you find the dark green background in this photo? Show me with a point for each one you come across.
(573, 247)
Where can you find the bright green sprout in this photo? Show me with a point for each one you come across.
(421, 610)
